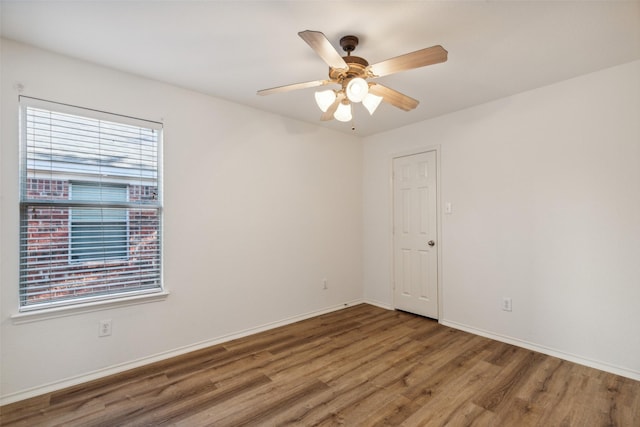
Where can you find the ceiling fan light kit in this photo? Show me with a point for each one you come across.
(371, 102)
(343, 112)
(357, 89)
(352, 72)
(324, 99)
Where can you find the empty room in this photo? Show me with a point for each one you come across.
(358, 213)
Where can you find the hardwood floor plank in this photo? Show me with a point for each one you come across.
(512, 376)
(445, 403)
(330, 412)
(369, 360)
(616, 399)
(468, 414)
(178, 410)
(264, 415)
(502, 354)
(61, 416)
(361, 366)
(422, 383)
(257, 407)
(539, 395)
(14, 412)
(391, 414)
(130, 408)
(359, 410)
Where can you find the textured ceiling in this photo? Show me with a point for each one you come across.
(231, 49)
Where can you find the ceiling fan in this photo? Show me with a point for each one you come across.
(352, 72)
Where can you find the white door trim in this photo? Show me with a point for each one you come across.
(439, 241)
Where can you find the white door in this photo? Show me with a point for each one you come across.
(415, 254)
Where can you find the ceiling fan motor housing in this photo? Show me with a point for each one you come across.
(357, 68)
(357, 65)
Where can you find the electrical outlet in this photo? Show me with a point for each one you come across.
(105, 328)
(324, 284)
(506, 304)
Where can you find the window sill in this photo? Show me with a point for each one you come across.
(71, 310)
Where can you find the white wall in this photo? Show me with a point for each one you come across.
(545, 190)
(258, 210)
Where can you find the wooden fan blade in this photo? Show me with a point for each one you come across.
(394, 97)
(328, 115)
(323, 48)
(419, 58)
(295, 86)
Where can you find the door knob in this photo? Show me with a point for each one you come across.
(431, 243)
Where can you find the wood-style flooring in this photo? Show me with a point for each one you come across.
(361, 366)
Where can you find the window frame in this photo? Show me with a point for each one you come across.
(142, 207)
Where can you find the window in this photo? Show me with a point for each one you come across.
(90, 205)
(98, 233)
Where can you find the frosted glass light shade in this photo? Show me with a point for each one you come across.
(357, 89)
(371, 102)
(325, 98)
(343, 113)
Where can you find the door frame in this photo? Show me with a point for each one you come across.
(405, 153)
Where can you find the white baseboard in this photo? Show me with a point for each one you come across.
(617, 370)
(378, 304)
(115, 369)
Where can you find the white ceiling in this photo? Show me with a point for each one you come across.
(231, 49)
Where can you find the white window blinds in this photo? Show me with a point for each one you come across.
(98, 233)
(90, 205)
